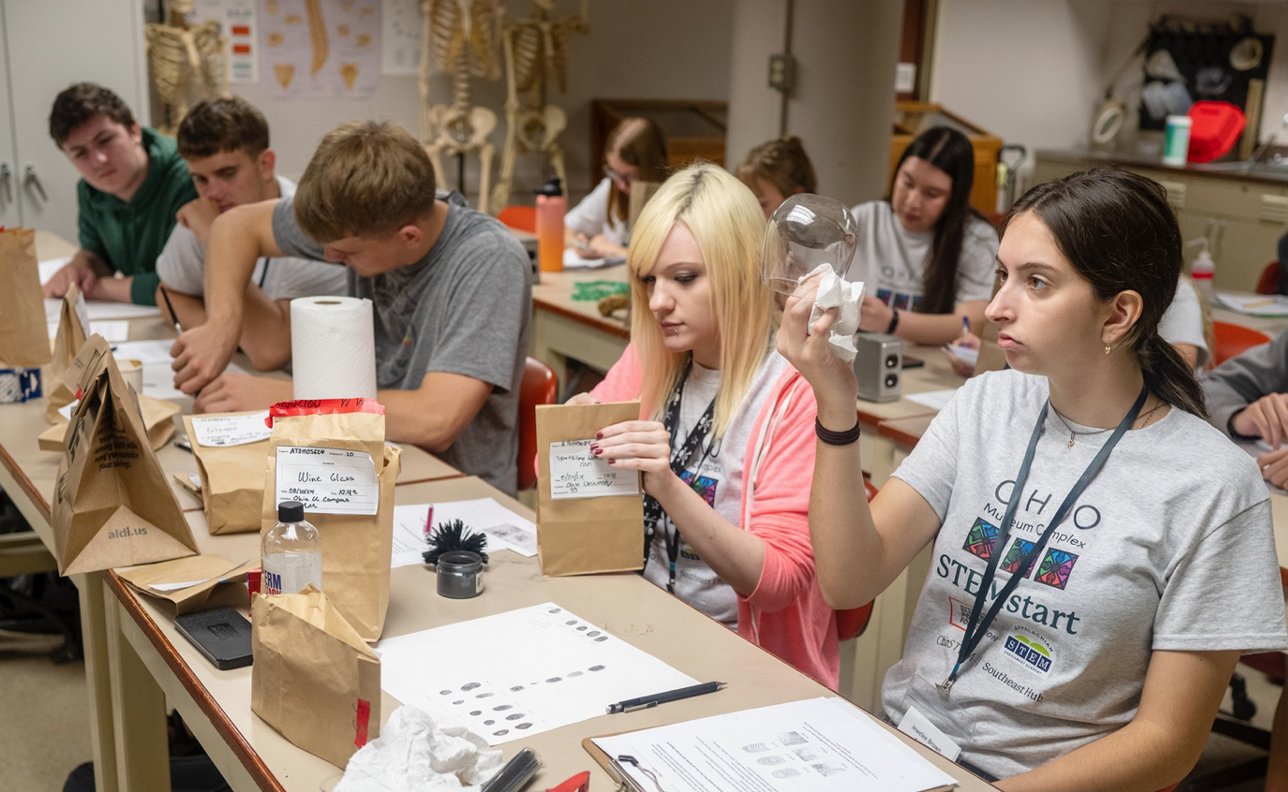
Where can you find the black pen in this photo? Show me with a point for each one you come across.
(670, 695)
(165, 295)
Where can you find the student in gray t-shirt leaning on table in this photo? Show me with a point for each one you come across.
(449, 287)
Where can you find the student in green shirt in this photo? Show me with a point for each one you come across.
(133, 183)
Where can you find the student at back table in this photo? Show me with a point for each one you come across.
(449, 288)
(133, 182)
(225, 143)
(776, 170)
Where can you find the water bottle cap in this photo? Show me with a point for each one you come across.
(552, 187)
(290, 512)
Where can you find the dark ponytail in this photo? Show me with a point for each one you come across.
(951, 152)
(1119, 232)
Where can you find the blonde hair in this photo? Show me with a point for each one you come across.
(366, 179)
(727, 224)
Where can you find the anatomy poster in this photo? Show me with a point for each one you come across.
(401, 37)
(320, 49)
(236, 20)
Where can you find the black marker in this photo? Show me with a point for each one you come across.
(670, 695)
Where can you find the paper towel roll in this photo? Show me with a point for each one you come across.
(333, 348)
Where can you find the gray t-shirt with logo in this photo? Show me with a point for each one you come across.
(465, 308)
(1169, 548)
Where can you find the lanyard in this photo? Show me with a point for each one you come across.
(978, 625)
(653, 514)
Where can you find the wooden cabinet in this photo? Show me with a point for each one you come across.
(1242, 216)
(913, 118)
(46, 45)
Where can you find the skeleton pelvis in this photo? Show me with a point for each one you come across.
(459, 130)
(538, 129)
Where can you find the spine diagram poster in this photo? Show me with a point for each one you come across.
(320, 49)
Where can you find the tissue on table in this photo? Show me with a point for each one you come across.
(836, 292)
(417, 751)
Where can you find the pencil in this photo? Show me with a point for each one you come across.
(165, 295)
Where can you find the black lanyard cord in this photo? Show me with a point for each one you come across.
(977, 626)
(698, 438)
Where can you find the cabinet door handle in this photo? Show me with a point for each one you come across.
(6, 181)
(32, 179)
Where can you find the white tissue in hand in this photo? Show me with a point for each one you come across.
(835, 292)
(415, 751)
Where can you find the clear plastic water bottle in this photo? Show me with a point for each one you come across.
(292, 552)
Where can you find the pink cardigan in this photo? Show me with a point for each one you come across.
(786, 613)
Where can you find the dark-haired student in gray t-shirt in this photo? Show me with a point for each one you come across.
(465, 308)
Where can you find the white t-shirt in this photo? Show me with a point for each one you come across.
(1170, 547)
(182, 266)
(590, 217)
(720, 481)
(1182, 322)
(891, 261)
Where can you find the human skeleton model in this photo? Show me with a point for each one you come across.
(182, 57)
(460, 38)
(536, 55)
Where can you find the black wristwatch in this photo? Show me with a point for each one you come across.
(894, 321)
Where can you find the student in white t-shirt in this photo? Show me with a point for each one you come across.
(723, 438)
(226, 145)
(597, 226)
(925, 257)
(1064, 639)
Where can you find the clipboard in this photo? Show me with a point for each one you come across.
(626, 782)
(610, 765)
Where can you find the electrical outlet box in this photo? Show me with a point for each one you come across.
(781, 72)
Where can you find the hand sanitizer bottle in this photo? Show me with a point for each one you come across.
(1201, 272)
(292, 552)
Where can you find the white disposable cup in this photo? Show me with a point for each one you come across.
(132, 373)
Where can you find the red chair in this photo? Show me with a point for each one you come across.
(1268, 283)
(1233, 339)
(852, 622)
(523, 218)
(539, 386)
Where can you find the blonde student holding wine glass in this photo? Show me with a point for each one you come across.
(724, 435)
(1101, 555)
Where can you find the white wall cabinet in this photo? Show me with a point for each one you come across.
(46, 45)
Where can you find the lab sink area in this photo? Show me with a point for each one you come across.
(1241, 207)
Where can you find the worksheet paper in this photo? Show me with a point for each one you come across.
(1254, 304)
(577, 473)
(112, 330)
(935, 400)
(505, 530)
(158, 377)
(94, 309)
(819, 745)
(520, 673)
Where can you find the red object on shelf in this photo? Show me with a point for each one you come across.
(1215, 130)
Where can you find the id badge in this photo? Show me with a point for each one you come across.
(933, 719)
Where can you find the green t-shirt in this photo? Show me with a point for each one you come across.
(129, 236)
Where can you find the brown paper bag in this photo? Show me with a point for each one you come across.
(581, 534)
(73, 330)
(158, 420)
(24, 334)
(232, 479)
(112, 504)
(357, 550)
(213, 581)
(314, 679)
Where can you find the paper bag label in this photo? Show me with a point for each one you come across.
(231, 430)
(328, 480)
(577, 473)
